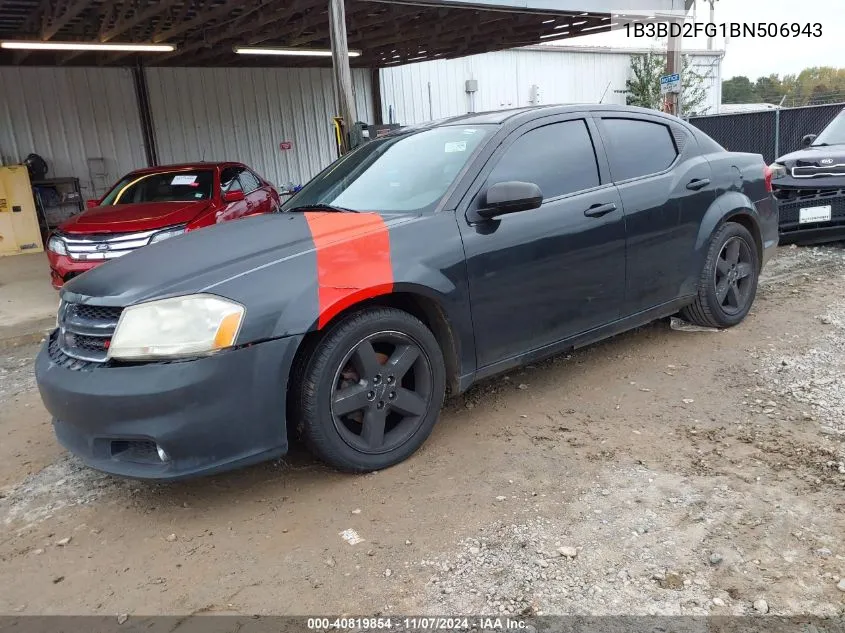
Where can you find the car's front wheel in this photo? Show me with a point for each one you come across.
(728, 283)
(370, 391)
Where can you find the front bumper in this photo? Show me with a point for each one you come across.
(208, 414)
(63, 268)
(790, 203)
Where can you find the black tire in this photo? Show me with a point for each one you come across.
(726, 288)
(340, 363)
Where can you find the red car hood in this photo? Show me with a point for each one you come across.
(126, 218)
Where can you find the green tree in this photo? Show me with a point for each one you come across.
(769, 89)
(819, 84)
(643, 87)
(739, 90)
(694, 95)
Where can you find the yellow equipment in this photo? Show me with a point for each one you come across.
(19, 230)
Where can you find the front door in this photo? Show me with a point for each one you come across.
(541, 276)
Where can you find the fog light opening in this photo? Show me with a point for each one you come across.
(162, 454)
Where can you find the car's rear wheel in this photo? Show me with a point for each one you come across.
(370, 391)
(728, 283)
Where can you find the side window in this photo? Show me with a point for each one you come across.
(249, 181)
(558, 157)
(638, 148)
(229, 180)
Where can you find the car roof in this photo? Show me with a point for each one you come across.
(185, 166)
(520, 115)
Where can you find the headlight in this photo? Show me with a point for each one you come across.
(57, 245)
(193, 325)
(163, 235)
(778, 171)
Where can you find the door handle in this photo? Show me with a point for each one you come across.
(598, 210)
(698, 183)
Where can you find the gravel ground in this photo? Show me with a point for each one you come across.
(16, 375)
(661, 472)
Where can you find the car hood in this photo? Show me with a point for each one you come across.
(814, 167)
(126, 218)
(813, 154)
(256, 261)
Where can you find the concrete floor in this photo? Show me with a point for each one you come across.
(27, 300)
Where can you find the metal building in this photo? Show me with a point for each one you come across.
(521, 77)
(86, 122)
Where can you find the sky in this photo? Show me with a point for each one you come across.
(760, 57)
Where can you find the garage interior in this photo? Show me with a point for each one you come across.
(95, 115)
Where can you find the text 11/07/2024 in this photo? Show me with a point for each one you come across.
(421, 624)
(723, 29)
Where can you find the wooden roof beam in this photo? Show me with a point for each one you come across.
(139, 17)
(232, 30)
(63, 16)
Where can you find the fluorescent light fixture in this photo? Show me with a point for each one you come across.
(294, 52)
(603, 26)
(87, 46)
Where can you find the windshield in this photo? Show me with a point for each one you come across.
(834, 133)
(409, 173)
(169, 186)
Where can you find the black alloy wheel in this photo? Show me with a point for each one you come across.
(367, 393)
(381, 393)
(728, 281)
(733, 282)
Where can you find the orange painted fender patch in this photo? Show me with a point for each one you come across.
(353, 260)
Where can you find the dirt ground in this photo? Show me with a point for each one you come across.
(660, 472)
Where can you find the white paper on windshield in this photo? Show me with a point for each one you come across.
(183, 180)
(456, 146)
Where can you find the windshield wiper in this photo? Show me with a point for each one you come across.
(320, 207)
(821, 145)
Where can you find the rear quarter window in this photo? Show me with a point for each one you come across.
(637, 148)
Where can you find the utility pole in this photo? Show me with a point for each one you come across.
(342, 74)
(712, 21)
(674, 60)
(674, 63)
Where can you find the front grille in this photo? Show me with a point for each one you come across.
(96, 247)
(87, 343)
(63, 360)
(791, 201)
(97, 313)
(85, 330)
(813, 171)
(806, 193)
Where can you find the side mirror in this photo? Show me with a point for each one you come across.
(233, 196)
(510, 197)
(808, 140)
(90, 204)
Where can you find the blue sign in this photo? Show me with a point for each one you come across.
(670, 83)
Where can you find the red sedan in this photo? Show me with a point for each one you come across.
(150, 205)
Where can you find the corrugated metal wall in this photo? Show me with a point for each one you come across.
(70, 115)
(435, 89)
(245, 113)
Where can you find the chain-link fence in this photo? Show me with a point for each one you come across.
(771, 133)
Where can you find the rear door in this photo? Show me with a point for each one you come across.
(666, 189)
(230, 181)
(540, 276)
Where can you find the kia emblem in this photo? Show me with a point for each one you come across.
(826, 161)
